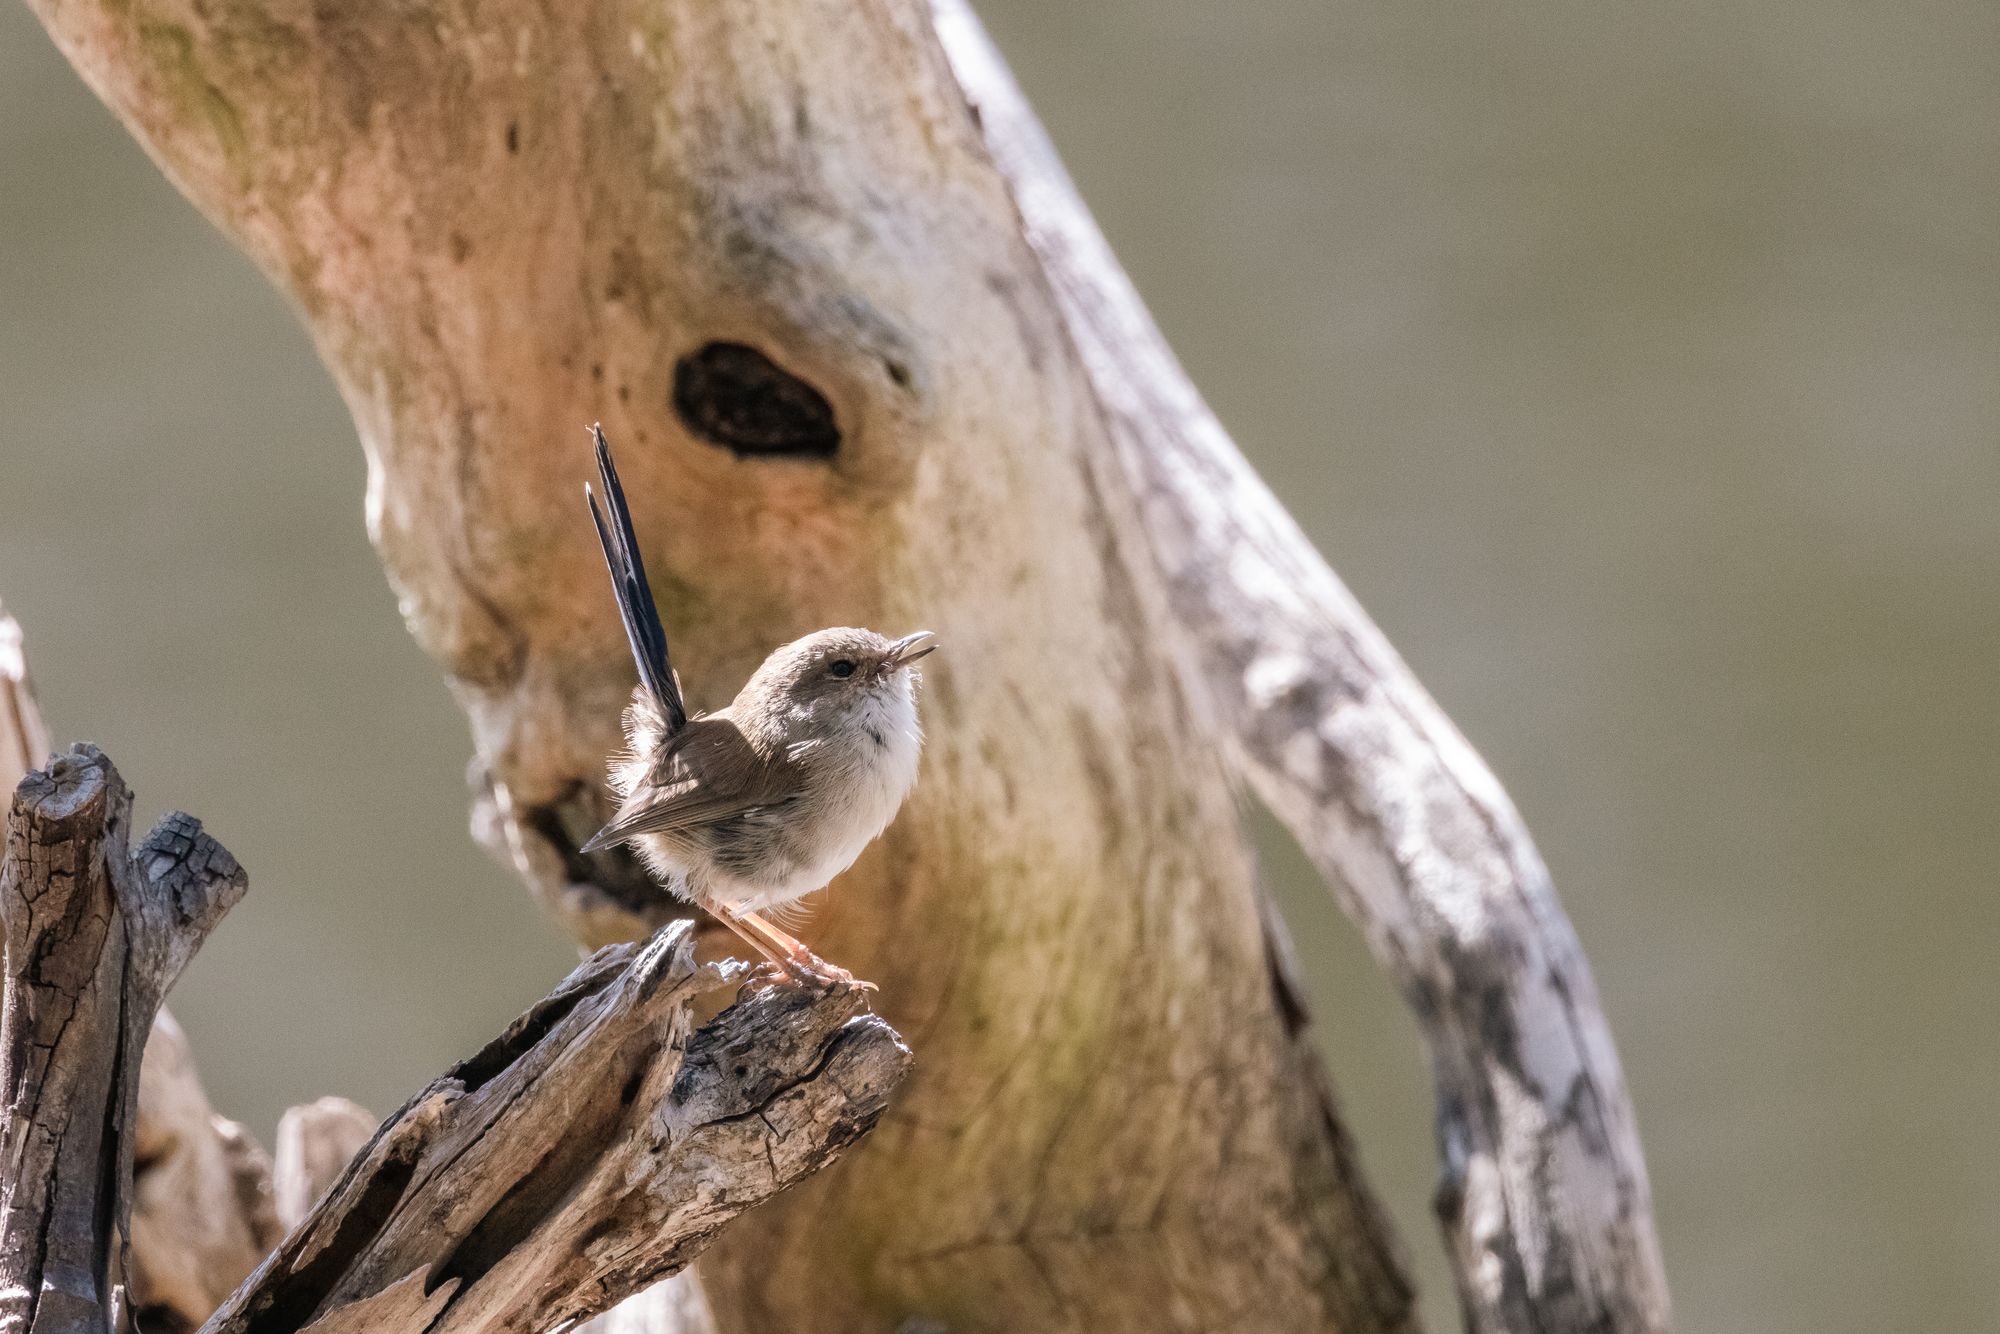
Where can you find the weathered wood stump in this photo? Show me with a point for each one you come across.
(95, 935)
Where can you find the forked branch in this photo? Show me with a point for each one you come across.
(801, 181)
(95, 935)
(201, 1187)
(1543, 1191)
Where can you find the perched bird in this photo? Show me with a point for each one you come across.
(750, 808)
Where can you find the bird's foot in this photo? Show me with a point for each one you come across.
(810, 970)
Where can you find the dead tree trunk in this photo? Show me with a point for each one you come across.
(812, 265)
(316, 1142)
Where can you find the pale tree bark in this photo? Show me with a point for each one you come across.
(868, 362)
(24, 737)
(1543, 1192)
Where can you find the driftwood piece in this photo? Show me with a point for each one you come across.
(95, 935)
(202, 1207)
(1543, 1191)
(318, 1140)
(593, 1149)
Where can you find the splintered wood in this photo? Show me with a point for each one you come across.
(590, 1151)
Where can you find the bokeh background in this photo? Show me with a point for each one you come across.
(1639, 367)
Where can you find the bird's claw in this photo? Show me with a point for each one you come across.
(808, 969)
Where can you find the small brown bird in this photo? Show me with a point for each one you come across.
(757, 805)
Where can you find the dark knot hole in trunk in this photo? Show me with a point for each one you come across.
(732, 395)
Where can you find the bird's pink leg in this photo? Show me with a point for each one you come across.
(748, 934)
(782, 947)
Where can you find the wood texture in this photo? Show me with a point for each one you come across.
(1543, 1190)
(95, 934)
(594, 1148)
(688, 1131)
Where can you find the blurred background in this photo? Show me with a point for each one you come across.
(1640, 369)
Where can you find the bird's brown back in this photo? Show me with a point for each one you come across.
(709, 771)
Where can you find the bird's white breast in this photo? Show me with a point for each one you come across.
(858, 779)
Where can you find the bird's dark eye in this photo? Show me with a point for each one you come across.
(841, 667)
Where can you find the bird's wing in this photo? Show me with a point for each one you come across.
(668, 812)
(635, 598)
(713, 773)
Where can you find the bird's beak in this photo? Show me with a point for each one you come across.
(908, 649)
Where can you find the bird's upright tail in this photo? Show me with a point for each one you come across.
(643, 629)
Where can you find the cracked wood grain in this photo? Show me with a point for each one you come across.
(592, 1150)
(702, 1126)
(95, 935)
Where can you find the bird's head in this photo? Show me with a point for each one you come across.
(834, 676)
